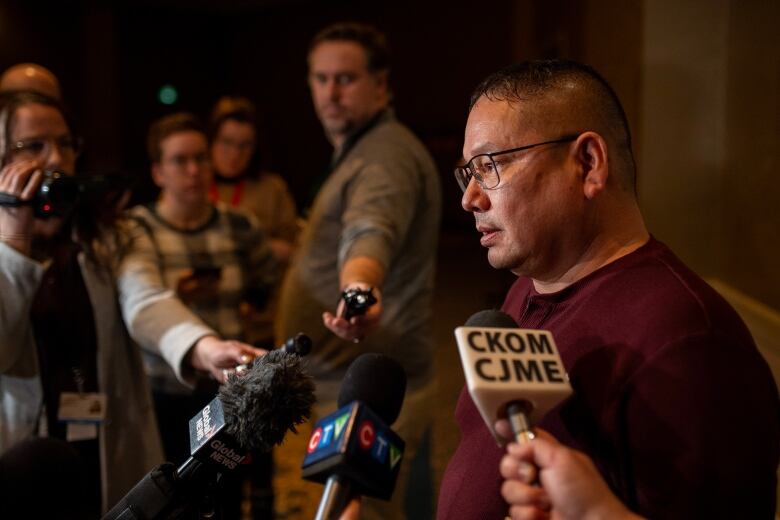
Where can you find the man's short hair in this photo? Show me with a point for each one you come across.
(232, 108)
(370, 38)
(167, 126)
(536, 79)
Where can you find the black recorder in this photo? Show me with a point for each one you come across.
(357, 302)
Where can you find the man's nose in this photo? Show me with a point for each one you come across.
(195, 166)
(474, 199)
(333, 90)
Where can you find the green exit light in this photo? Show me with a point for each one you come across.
(168, 95)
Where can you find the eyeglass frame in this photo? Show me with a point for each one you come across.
(181, 161)
(466, 168)
(70, 143)
(241, 146)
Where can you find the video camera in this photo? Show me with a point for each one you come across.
(59, 192)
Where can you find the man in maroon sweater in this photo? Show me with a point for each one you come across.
(665, 375)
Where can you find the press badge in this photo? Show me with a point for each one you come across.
(83, 413)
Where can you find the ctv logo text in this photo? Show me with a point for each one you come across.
(369, 438)
(328, 433)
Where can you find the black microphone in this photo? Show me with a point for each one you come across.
(353, 451)
(510, 372)
(491, 318)
(299, 344)
(252, 411)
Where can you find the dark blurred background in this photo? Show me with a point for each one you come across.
(113, 58)
(699, 79)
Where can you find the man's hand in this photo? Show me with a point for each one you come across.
(356, 327)
(352, 511)
(572, 487)
(218, 357)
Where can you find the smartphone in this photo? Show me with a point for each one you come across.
(207, 272)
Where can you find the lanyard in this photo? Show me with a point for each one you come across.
(235, 198)
(353, 140)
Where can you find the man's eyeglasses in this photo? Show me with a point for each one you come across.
(35, 148)
(485, 170)
(181, 161)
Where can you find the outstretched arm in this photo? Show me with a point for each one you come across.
(161, 323)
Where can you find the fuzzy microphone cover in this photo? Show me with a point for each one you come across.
(272, 397)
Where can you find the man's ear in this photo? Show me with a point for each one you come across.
(381, 79)
(593, 158)
(157, 174)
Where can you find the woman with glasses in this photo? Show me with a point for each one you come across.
(68, 369)
(238, 180)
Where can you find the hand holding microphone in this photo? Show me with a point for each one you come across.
(222, 358)
(572, 488)
(515, 376)
(300, 345)
(358, 311)
(218, 357)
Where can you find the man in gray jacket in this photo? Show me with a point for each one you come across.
(373, 226)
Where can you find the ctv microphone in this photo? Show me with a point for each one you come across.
(510, 372)
(252, 411)
(353, 451)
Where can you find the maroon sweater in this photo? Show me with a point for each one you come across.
(671, 398)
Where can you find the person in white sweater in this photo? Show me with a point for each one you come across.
(65, 354)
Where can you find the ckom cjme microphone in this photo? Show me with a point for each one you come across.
(252, 411)
(510, 372)
(353, 451)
